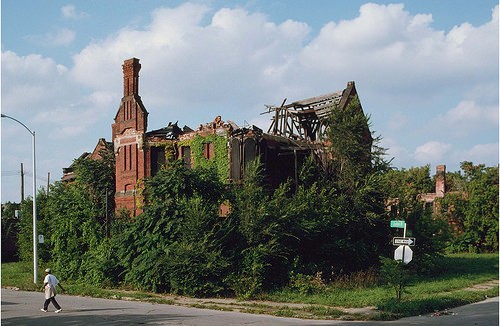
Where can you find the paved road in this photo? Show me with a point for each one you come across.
(23, 308)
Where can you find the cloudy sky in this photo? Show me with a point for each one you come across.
(426, 71)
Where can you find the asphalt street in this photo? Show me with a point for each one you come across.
(23, 308)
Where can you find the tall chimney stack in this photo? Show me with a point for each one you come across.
(440, 180)
(131, 69)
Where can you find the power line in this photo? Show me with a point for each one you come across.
(18, 173)
(10, 173)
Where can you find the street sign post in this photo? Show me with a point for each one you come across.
(403, 253)
(397, 224)
(397, 241)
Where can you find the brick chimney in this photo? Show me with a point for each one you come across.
(128, 134)
(131, 68)
(440, 180)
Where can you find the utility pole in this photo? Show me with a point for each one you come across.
(22, 183)
(48, 182)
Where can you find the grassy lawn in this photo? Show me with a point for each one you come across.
(456, 284)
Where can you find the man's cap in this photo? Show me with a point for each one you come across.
(48, 270)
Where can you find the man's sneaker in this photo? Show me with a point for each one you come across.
(44, 310)
(58, 310)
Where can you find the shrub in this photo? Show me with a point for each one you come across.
(307, 284)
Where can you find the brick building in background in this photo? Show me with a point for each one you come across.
(297, 130)
(429, 198)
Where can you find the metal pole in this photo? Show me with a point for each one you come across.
(35, 256)
(404, 247)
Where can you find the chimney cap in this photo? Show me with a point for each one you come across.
(131, 59)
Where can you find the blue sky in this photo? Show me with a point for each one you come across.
(426, 71)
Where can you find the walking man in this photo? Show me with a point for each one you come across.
(49, 286)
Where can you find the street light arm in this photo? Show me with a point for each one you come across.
(22, 124)
(35, 249)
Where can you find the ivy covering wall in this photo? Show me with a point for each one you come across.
(220, 161)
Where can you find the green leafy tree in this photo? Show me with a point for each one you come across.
(355, 183)
(96, 177)
(470, 206)
(177, 244)
(74, 219)
(25, 235)
(10, 230)
(73, 231)
(267, 234)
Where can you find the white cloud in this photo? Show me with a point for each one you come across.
(467, 119)
(39, 92)
(398, 121)
(61, 37)
(30, 82)
(470, 112)
(401, 156)
(235, 59)
(482, 154)
(394, 53)
(401, 55)
(70, 12)
(432, 152)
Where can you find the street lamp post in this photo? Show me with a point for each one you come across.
(35, 255)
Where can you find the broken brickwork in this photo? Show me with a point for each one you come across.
(297, 130)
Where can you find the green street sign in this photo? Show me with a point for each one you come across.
(398, 224)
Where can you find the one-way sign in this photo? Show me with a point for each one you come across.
(403, 241)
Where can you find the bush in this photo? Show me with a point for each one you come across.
(396, 274)
(307, 284)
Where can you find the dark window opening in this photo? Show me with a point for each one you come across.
(249, 151)
(186, 155)
(208, 150)
(235, 160)
(157, 159)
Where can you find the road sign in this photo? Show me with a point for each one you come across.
(403, 253)
(397, 241)
(397, 224)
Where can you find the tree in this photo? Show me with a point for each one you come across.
(474, 210)
(177, 244)
(355, 182)
(25, 235)
(264, 228)
(73, 219)
(97, 179)
(10, 229)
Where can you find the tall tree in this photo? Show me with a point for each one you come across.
(355, 175)
(475, 209)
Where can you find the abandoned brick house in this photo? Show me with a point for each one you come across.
(296, 130)
(430, 199)
(102, 144)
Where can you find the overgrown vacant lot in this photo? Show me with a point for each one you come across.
(461, 279)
